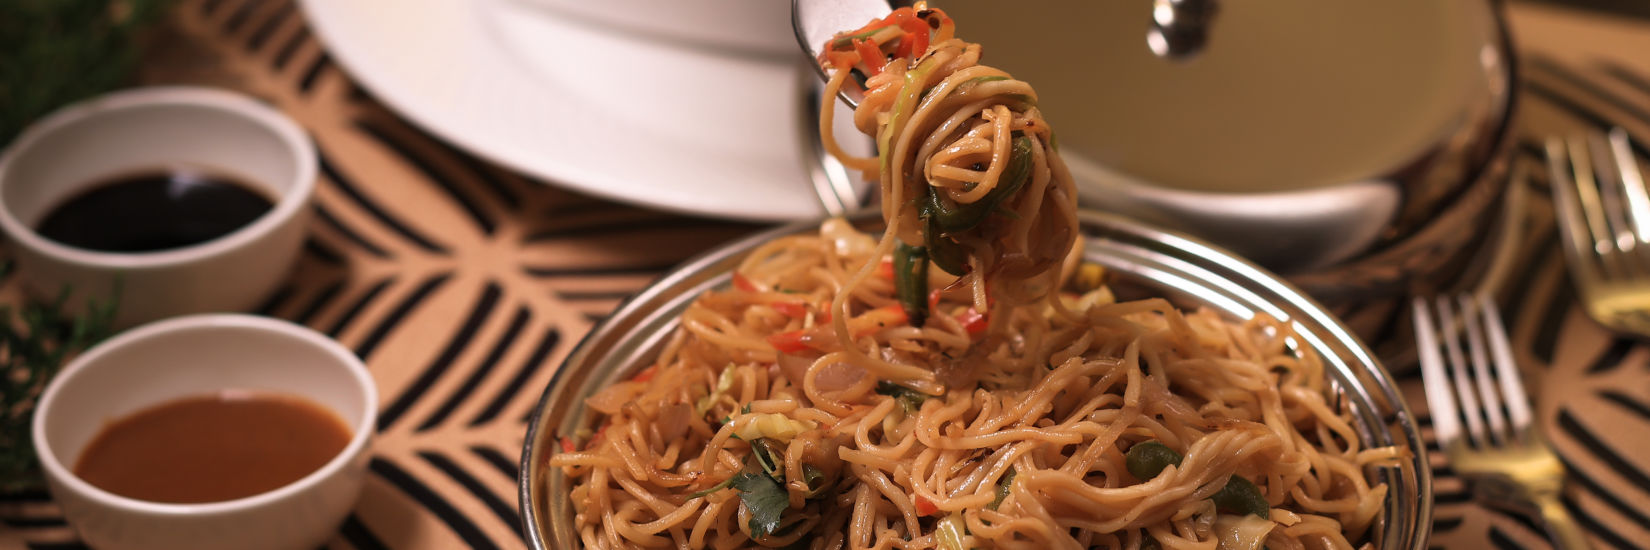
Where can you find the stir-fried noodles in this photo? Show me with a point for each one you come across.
(842, 394)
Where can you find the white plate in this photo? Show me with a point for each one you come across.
(661, 122)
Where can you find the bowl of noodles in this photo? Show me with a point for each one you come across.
(1269, 343)
(981, 366)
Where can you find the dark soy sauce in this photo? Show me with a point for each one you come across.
(154, 210)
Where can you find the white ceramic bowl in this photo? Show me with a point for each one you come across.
(83, 144)
(194, 355)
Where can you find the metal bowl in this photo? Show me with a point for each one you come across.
(1143, 261)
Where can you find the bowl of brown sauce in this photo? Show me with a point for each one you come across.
(186, 200)
(208, 431)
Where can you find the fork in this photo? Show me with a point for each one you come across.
(1502, 456)
(1603, 212)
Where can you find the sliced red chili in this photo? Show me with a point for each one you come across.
(871, 56)
(788, 342)
(742, 283)
(915, 40)
(794, 310)
(926, 507)
(973, 321)
(645, 375)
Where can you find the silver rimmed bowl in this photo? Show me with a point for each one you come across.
(1142, 261)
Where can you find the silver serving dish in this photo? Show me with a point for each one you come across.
(1143, 261)
(1303, 135)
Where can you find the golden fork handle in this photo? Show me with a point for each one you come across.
(1560, 525)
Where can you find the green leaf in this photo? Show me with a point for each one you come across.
(764, 498)
(910, 400)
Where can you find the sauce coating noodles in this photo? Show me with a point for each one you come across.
(831, 400)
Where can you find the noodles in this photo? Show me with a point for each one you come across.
(843, 395)
(968, 168)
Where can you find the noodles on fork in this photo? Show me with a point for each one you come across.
(963, 380)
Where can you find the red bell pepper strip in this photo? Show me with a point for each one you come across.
(926, 507)
(871, 56)
(787, 342)
(973, 322)
(915, 40)
(742, 283)
(794, 310)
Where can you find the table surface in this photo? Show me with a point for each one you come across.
(463, 285)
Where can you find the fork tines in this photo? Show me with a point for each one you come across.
(1602, 207)
(1481, 383)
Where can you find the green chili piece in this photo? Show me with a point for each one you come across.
(954, 218)
(911, 281)
(1241, 496)
(944, 252)
(1003, 488)
(1148, 458)
(769, 458)
(814, 478)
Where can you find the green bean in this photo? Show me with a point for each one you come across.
(955, 218)
(911, 281)
(1148, 458)
(1241, 496)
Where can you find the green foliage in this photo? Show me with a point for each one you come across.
(765, 499)
(54, 52)
(35, 340)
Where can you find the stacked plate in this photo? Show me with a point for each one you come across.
(693, 107)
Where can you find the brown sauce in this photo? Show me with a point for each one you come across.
(154, 210)
(212, 448)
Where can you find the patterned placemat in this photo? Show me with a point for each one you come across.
(463, 285)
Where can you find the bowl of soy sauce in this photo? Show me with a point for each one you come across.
(171, 200)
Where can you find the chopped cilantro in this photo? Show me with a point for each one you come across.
(714, 488)
(764, 499)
